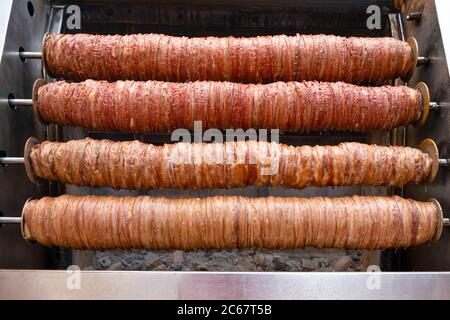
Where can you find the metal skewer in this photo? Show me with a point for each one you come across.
(12, 160)
(427, 105)
(446, 222)
(414, 16)
(10, 220)
(18, 220)
(25, 160)
(423, 61)
(30, 55)
(29, 103)
(20, 102)
(38, 55)
(427, 146)
(432, 105)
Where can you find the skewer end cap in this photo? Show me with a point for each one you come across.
(440, 219)
(37, 84)
(44, 60)
(23, 227)
(425, 93)
(429, 147)
(31, 142)
(414, 56)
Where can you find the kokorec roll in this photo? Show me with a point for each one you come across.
(258, 59)
(153, 106)
(108, 222)
(135, 165)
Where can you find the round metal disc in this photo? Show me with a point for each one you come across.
(425, 93)
(23, 227)
(37, 84)
(44, 61)
(440, 219)
(31, 142)
(429, 147)
(415, 55)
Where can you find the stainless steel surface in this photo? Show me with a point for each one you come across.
(432, 34)
(10, 220)
(212, 285)
(230, 17)
(21, 102)
(12, 160)
(30, 55)
(220, 18)
(20, 67)
(17, 125)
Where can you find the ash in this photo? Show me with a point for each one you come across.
(308, 259)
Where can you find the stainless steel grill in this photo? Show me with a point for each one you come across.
(22, 27)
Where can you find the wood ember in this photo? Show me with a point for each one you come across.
(343, 263)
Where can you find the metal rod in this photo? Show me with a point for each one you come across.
(18, 220)
(30, 55)
(21, 102)
(21, 160)
(416, 16)
(423, 60)
(12, 160)
(446, 222)
(10, 220)
(434, 106)
(38, 55)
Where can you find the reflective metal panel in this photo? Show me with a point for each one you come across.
(204, 285)
(431, 32)
(25, 28)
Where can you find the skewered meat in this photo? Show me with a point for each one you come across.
(258, 59)
(108, 222)
(135, 165)
(153, 106)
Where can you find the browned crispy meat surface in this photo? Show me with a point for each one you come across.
(135, 165)
(154, 106)
(258, 59)
(108, 222)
